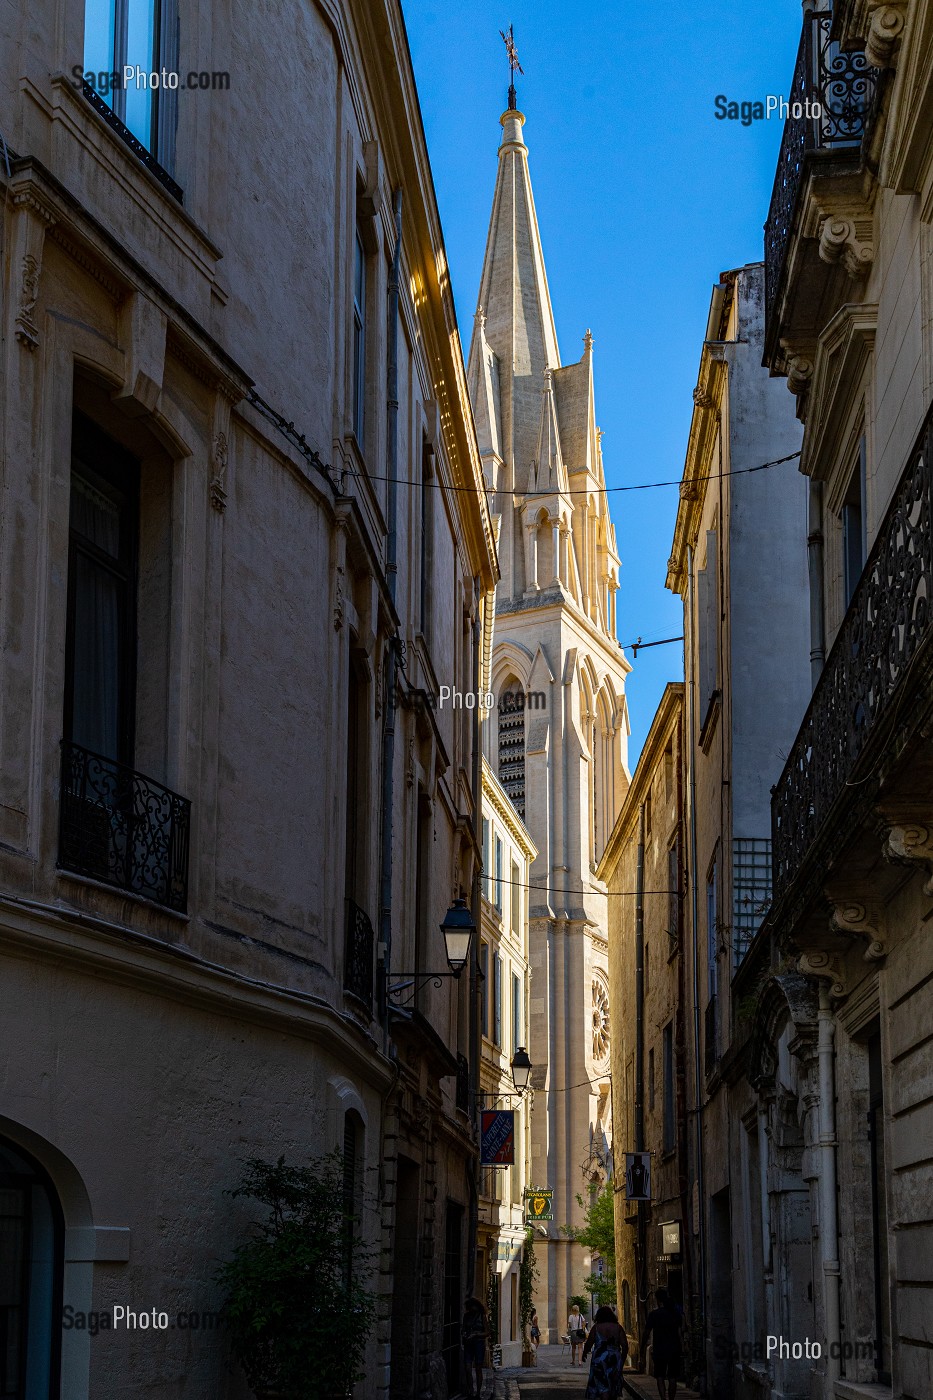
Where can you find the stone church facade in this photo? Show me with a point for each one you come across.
(557, 737)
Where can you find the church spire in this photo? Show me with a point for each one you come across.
(519, 328)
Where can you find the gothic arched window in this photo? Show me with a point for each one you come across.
(512, 743)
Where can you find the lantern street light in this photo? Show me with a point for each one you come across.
(521, 1069)
(458, 929)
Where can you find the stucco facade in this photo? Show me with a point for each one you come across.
(558, 735)
(215, 336)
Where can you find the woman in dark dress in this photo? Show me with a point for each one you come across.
(664, 1326)
(609, 1346)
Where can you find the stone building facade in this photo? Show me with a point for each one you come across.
(557, 738)
(739, 563)
(508, 851)
(648, 1004)
(841, 1034)
(228, 822)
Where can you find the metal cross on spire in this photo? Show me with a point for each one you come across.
(514, 66)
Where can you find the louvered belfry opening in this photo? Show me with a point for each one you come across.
(512, 744)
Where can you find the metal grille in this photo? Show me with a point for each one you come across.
(117, 826)
(136, 146)
(751, 891)
(888, 621)
(842, 86)
(358, 956)
(463, 1083)
(512, 753)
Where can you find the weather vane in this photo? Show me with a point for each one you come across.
(514, 65)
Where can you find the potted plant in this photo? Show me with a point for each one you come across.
(296, 1309)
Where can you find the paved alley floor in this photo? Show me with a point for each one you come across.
(554, 1376)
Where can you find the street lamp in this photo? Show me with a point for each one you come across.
(458, 929)
(521, 1069)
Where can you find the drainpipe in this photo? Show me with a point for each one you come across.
(475, 987)
(829, 1229)
(388, 732)
(694, 919)
(815, 562)
(642, 1254)
(764, 1165)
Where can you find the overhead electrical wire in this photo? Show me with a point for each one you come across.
(576, 491)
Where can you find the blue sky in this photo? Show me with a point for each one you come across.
(643, 198)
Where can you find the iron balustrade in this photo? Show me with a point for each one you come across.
(141, 152)
(122, 828)
(463, 1083)
(832, 94)
(886, 624)
(358, 956)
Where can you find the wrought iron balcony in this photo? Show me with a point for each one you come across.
(122, 828)
(830, 102)
(889, 620)
(358, 956)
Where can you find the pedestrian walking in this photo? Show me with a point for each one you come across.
(473, 1333)
(576, 1331)
(664, 1324)
(609, 1345)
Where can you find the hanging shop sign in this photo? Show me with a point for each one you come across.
(498, 1137)
(539, 1205)
(638, 1176)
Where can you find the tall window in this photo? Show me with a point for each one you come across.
(712, 935)
(355, 791)
(708, 624)
(511, 714)
(853, 528)
(498, 893)
(650, 1079)
(487, 859)
(31, 1236)
(359, 338)
(669, 1103)
(497, 999)
(516, 1011)
(100, 647)
(879, 1212)
(141, 34)
(516, 901)
(673, 890)
(484, 986)
(427, 535)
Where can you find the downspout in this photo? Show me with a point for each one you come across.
(764, 1167)
(475, 987)
(829, 1229)
(642, 1261)
(815, 562)
(388, 732)
(694, 920)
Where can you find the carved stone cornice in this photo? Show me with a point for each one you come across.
(911, 843)
(861, 919)
(826, 968)
(885, 27)
(846, 237)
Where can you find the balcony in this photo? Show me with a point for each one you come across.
(830, 103)
(122, 828)
(861, 693)
(358, 957)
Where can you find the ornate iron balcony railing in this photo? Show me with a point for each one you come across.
(463, 1083)
(888, 620)
(122, 828)
(840, 87)
(358, 956)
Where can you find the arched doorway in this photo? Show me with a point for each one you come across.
(31, 1269)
